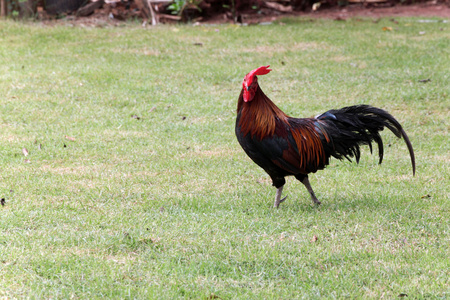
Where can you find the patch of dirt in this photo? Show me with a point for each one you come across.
(418, 10)
(440, 10)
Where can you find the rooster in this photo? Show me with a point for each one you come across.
(285, 146)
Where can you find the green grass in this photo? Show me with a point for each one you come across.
(169, 206)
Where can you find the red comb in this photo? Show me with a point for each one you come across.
(260, 71)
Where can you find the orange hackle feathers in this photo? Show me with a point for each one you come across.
(259, 118)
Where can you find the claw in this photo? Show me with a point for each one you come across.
(305, 181)
(277, 203)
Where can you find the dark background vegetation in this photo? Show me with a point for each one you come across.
(183, 10)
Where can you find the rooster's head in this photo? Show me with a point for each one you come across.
(250, 82)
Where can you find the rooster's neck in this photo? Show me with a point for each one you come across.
(260, 116)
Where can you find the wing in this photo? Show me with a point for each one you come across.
(296, 147)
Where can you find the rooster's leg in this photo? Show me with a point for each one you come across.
(305, 181)
(278, 199)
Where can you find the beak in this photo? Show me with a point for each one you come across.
(246, 92)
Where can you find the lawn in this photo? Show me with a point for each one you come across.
(122, 176)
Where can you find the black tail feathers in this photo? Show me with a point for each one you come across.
(350, 127)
